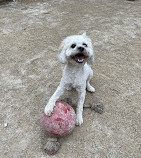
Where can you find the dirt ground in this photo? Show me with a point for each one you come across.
(30, 35)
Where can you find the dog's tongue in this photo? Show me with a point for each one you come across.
(79, 59)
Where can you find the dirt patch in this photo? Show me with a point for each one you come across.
(31, 33)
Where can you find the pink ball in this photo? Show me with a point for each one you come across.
(61, 122)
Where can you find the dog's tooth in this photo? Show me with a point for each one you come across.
(80, 60)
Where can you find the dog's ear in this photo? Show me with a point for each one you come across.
(84, 34)
(62, 55)
(91, 59)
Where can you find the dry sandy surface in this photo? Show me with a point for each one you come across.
(30, 35)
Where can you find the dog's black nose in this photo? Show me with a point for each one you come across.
(81, 49)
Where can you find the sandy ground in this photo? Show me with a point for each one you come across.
(30, 35)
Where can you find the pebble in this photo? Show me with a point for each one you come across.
(5, 125)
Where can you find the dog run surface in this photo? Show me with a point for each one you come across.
(30, 35)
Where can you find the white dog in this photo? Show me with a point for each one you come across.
(76, 52)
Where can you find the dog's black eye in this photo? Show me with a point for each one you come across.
(73, 45)
(84, 44)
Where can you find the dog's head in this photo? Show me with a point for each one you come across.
(77, 49)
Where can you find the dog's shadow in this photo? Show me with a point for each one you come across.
(92, 101)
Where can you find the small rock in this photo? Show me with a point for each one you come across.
(5, 125)
(52, 146)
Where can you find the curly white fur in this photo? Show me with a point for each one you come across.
(76, 52)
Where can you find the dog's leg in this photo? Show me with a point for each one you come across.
(79, 110)
(89, 87)
(51, 103)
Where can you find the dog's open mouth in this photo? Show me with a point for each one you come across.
(79, 58)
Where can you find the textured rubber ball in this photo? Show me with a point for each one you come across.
(61, 122)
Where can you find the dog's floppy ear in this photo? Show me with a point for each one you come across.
(91, 59)
(62, 55)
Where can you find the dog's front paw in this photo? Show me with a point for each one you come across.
(91, 89)
(48, 110)
(79, 121)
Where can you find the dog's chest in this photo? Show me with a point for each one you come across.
(74, 79)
